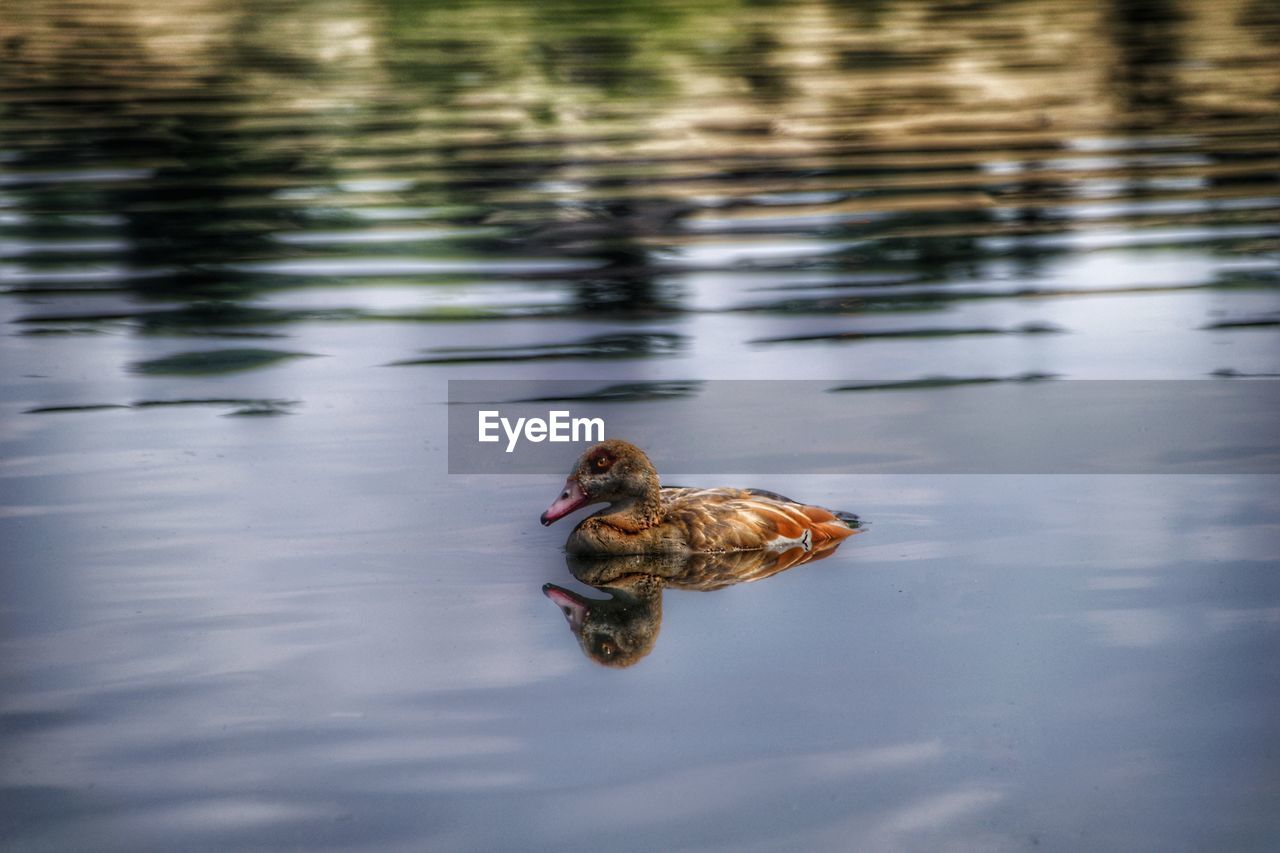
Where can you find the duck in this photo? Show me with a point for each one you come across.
(644, 517)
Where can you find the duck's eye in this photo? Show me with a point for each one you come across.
(601, 463)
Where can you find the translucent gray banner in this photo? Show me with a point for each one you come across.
(1024, 425)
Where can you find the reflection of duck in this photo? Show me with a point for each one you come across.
(615, 631)
(645, 518)
(620, 630)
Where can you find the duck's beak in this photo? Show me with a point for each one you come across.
(574, 606)
(570, 499)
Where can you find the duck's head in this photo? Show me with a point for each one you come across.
(612, 471)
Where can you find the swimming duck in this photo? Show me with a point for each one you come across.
(644, 517)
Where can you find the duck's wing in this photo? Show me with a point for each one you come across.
(850, 519)
(715, 520)
(773, 496)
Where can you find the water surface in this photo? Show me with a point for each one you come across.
(243, 248)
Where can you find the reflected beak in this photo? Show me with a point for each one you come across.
(570, 499)
(571, 604)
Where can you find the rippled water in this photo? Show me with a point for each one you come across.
(243, 247)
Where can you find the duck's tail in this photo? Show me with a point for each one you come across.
(850, 519)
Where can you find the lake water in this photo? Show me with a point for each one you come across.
(244, 247)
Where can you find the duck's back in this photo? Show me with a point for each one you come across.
(718, 520)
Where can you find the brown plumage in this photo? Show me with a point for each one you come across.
(645, 518)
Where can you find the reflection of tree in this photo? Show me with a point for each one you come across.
(596, 57)
(602, 125)
(1143, 78)
(1262, 18)
(186, 220)
(865, 13)
(934, 256)
(766, 80)
(619, 233)
(202, 200)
